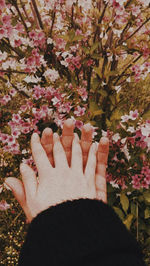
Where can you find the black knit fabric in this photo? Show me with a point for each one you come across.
(80, 232)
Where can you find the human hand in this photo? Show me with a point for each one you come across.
(17, 186)
(61, 183)
(85, 142)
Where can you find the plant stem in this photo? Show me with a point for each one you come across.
(137, 221)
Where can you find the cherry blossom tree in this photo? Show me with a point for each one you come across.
(88, 60)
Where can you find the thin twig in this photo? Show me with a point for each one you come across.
(25, 12)
(15, 219)
(12, 71)
(35, 17)
(20, 15)
(137, 221)
(19, 53)
(37, 13)
(127, 68)
(53, 21)
(3, 79)
(134, 32)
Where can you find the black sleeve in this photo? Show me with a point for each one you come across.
(80, 232)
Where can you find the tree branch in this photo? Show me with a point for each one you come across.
(127, 69)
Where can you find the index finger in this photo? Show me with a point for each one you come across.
(40, 156)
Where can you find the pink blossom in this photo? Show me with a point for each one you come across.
(38, 92)
(4, 205)
(5, 99)
(6, 19)
(4, 137)
(15, 133)
(146, 52)
(124, 118)
(136, 182)
(17, 43)
(78, 124)
(78, 32)
(145, 184)
(133, 115)
(55, 100)
(10, 140)
(32, 34)
(19, 27)
(23, 108)
(79, 111)
(2, 4)
(31, 61)
(90, 62)
(15, 149)
(3, 33)
(29, 104)
(16, 118)
(60, 43)
(135, 10)
(12, 92)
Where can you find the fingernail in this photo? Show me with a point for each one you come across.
(104, 140)
(87, 127)
(35, 136)
(55, 136)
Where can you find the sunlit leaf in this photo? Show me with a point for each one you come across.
(128, 221)
(124, 202)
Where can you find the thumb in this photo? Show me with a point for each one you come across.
(17, 189)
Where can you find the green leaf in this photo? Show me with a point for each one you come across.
(133, 209)
(98, 71)
(78, 38)
(108, 123)
(128, 221)
(94, 47)
(113, 99)
(93, 106)
(103, 92)
(115, 115)
(86, 50)
(98, 112)
(146, 115)
(119, 212)
(71, 34)
(96, 56)
(147, 213)
(95, 83)
(124, 202)
(147, 196)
